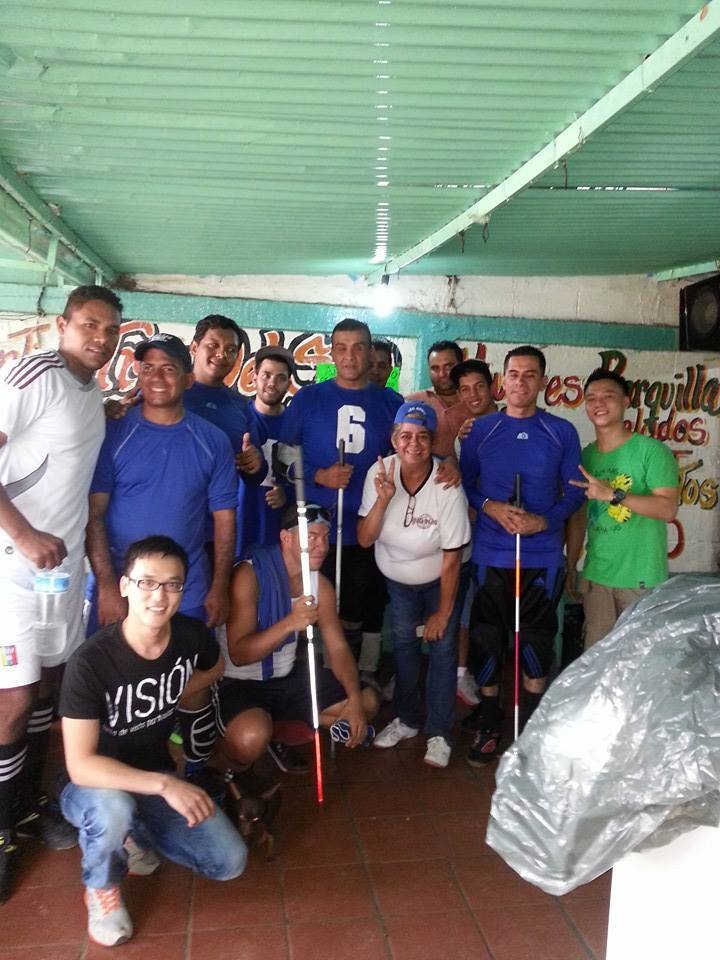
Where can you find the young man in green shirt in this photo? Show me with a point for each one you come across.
(631, 483)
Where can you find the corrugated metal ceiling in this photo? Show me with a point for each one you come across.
(298, 137)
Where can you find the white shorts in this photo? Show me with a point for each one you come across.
(19, 664)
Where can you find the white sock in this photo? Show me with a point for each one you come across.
(461, 672)
(370, 651)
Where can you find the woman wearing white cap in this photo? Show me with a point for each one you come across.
(421, 535)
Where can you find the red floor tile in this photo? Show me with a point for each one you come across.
(169, 946)
(438, 935)
(40, 867)
(452, 796)
(337, 940)
(246, 943)
(597, 889)
(463, 834)
(299, 801)
(312, 893)
(399, 838)
(365, 765)
(415, 887)
(384, 799)
(253, 898)
(315, 844)
(43, 915)
(54, 951)
(529, 933)
(488, 882)
(160, 903)
(591, 919)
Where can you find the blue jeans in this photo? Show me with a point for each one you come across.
(411, 606)
(104, 818)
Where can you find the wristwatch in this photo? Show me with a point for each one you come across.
(618, 497)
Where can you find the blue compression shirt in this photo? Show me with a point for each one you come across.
(545, 451)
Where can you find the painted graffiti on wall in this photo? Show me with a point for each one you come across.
(675, 398)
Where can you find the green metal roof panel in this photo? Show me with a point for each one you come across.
(294, 137)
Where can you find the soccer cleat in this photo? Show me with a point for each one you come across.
(467, 691)
(44, 822)
(8, 861)
(287, 758)
(141, 863)
(393, 733)
(438, 752)
(109, 922)
(484, 748)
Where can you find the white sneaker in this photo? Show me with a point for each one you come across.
(438, 752)
(467, 691)
(141, 863)
(109, 922)
(393, 733)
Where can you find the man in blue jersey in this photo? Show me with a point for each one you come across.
(352, 409)
(545, 451)
(214, 349)
(164, 470)
(274, 366)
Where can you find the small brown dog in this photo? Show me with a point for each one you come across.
(254, 814)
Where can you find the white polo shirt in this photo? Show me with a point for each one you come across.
(416, 529)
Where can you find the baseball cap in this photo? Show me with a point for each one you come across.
(169, 344)
(420, 413)
(275, 353)
(313, 512)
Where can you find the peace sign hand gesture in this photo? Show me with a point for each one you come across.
(385, 482)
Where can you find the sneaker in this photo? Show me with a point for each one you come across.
(8, 860)
(45, 823)
(109, 922)
(467, 691)
(393, 733)
(388, 691)
(287, 758)
(141, 863)
(484, 748)
(438, 752)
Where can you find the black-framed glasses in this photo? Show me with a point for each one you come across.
(148, 585)
(409, 512)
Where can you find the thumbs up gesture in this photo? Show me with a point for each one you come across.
(249, 460)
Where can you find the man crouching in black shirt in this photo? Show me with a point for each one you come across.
(118, 701)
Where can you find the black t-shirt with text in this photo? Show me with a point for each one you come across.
(135, 699)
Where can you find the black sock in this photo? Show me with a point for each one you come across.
(38, 743)
(199, 733)
(490, 707)
(528, 704)
(12, 758)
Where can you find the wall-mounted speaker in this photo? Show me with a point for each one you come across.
(700, 315)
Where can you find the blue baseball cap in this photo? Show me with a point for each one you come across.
(169, 344)
(421, 414)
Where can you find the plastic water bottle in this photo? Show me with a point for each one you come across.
(50, 631)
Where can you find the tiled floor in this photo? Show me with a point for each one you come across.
(394, 867)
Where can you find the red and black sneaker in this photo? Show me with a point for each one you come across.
(484, 748)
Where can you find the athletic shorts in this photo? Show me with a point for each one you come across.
(19, 665)
(283, 698)
(362, 589)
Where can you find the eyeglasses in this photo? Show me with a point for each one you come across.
(144, 583)
(410, 512)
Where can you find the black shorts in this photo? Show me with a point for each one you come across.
(362, 587)
(283, 698)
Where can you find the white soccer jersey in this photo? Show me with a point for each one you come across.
(55, 427)
(416, 529)
(279, 663)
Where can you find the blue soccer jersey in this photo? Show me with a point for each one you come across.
(319, 417)
(165, 479)
(260, 522)
(545, 451)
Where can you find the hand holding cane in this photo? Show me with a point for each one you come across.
(517, 502)
(309, 630)
(338, 542)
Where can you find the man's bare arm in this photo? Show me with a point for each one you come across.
(111, 606)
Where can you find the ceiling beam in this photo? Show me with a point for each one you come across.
(669, 57)
(38, 211)
(689, 270)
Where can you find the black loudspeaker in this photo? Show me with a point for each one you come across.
(700, 316)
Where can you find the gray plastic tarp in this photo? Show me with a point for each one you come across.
(624, 749)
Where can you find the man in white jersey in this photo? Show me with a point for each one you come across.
(265, 677)
(51, 429)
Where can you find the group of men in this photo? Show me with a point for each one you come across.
(179, 501)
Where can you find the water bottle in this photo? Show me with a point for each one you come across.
(50, 630)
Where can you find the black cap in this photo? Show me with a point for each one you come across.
(275, 353)
(169, 344)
